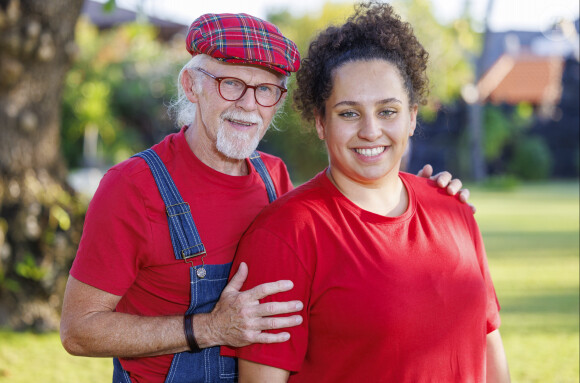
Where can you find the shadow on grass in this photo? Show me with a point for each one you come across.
(525, 243)
(550, 312)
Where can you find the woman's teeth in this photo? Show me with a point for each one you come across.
(371, 152)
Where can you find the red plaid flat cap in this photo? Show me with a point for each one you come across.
(244, 39)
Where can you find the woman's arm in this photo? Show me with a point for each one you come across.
(497, 366)
(251, 372)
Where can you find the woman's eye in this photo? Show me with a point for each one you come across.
(348, 114)
(388, 113)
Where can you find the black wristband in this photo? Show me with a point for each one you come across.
(189, 335)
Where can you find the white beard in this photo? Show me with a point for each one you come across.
(237, 144)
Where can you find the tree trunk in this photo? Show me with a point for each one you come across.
(475, 109)
(40, 219)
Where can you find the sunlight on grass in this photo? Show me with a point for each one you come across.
(532, 241)
(29, 357)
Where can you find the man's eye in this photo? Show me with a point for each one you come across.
(265, 89)
(232, 83)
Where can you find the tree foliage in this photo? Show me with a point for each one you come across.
(449, 47)
(116, 93)
(509, 147)
(118, 87)
(449, 69)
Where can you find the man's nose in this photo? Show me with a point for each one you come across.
(248, 100)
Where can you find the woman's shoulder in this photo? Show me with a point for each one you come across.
(427, 193)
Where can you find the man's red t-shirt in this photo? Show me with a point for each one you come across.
(403, 299)
(126, 247)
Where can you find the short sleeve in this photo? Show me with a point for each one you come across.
(269, 259)
(493, 307)
(116, 233)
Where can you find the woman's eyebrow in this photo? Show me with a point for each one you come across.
(389, 100)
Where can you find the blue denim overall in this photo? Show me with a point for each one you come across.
(206, 365)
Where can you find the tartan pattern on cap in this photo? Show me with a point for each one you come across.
(242, 38)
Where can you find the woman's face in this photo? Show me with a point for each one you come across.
(367, 122)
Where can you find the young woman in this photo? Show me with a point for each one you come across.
(393, 273)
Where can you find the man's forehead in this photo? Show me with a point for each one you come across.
(246, 70)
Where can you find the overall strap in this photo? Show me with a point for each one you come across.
(184, 235)
(263, 172)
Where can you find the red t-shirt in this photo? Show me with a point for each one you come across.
(403, 299)
(126, 247)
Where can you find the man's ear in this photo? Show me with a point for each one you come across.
(319, 121)
(188, 85)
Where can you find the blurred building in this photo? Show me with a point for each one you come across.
(529, 66)
(103, 19)
(541, 69)
(538, 68)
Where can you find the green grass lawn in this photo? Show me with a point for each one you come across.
(531, 237)
(532, 241)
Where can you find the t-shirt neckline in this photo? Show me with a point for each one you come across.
(365, 215)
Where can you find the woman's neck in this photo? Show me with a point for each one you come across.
(387, 197)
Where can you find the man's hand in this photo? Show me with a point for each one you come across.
(445, 181)
(238, 318)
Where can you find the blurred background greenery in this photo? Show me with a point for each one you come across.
(502, 115)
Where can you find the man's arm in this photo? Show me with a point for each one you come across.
(91, 327)
(251, 372)
(497, 366)
(446, 181)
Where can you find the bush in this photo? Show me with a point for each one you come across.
(497, 133)
(503, 182)
(532, 159)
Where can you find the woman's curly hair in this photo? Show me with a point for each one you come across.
(375, 31)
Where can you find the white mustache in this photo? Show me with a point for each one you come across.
(238, 115)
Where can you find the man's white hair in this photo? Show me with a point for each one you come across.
(182, 110)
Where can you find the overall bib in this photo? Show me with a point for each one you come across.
(207, 281)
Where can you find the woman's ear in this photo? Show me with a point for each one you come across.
(188, 85)
(413, 119)
(319, 121)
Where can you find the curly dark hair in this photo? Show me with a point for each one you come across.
(375, 31)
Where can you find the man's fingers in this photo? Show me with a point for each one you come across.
(265, 289)
(473, 208)
(275, 323)
(454, 186)
(426, 171)
(464, 195)
(276, 308)
(235, 284)
(266, 337)
(442, 179)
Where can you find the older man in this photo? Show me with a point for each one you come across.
(148, 285)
